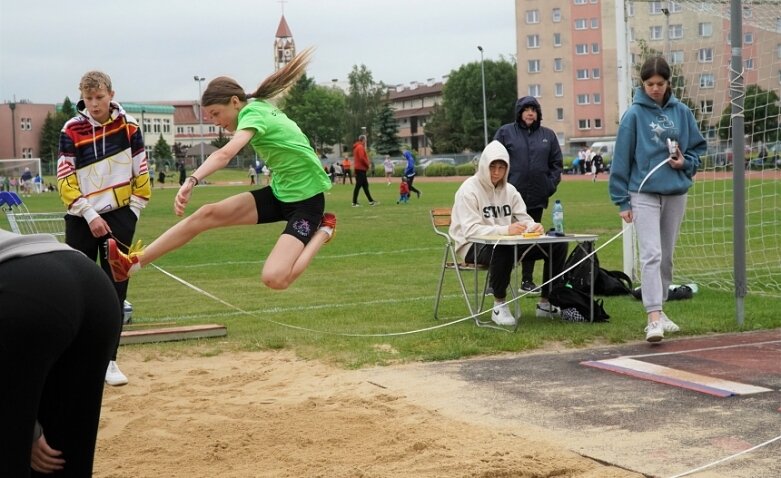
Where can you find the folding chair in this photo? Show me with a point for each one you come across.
(440, 221)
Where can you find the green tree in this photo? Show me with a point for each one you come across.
(161, 151)
(318, 110)
(363, 103)
(386, 140)
(457, 124)
(760, 113)
(68, 109)
(221, 140)
(50, 139)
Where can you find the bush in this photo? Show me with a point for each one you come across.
(466, 169)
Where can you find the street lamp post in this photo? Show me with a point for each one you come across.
(199, 79)
(485, 111)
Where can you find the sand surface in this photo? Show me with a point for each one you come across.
(270, 414)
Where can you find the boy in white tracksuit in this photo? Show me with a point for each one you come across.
(486, 204)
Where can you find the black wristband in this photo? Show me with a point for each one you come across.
(195, 179)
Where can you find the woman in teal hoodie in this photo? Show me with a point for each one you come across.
(656, 156)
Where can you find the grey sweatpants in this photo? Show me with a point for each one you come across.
(657, 220)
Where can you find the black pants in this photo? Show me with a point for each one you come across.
(412, 189)
(57, 334)
(361, 182)
(527, 266)
(499, 260)
(122, 222)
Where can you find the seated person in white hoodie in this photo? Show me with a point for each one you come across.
(486, 204)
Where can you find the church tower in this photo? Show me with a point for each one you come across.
(284, 46)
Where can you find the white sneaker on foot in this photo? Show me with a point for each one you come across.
(654, 332)
(548, 310)
(114, 375)
(501, 315)
(667, 324)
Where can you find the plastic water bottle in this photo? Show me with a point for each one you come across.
(558, 217)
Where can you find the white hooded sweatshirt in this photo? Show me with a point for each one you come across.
(482, 209)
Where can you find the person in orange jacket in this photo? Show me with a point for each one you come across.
(362, 164)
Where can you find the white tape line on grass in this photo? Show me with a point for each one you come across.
(306, 329)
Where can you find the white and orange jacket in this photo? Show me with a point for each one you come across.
(102, 167)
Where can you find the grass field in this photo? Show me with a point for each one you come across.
(378, 276)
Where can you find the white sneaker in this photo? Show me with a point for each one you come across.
(114, 375)
(667, 324)
(654, 332)
(548, 310)
(501, 315)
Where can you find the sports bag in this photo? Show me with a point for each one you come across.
(574, 305)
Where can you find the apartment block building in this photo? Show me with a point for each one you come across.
(412, 106)
(578, 57)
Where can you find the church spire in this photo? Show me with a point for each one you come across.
(284, 46)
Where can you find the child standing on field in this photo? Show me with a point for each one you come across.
(403, 191)
(296, 193)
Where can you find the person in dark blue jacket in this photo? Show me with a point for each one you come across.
(409, 171)
(535, 165)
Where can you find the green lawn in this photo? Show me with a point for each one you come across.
(378, 276)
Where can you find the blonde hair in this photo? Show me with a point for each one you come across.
(221, 89)
(93, 80)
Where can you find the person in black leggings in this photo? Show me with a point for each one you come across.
(57, 335)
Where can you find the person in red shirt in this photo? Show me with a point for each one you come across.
(403, 191)
(361, 165)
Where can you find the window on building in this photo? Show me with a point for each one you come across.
(558, 64)
(580, 2)
(748, 38)
(582, 99)
(676, 57)
(705, 55)
(166, 125)
(707, 80)
(581, 49)
(584, 124)
(706, 106)
(557, 39)
(179, 130)
(595, 48)
(532, 41)
(594, 23)
(535, 91)
(778, 51)
(655, 33)
(597, 98)
(705, 29)
(556, 15)
(748, 63)
(632, 34)
(582, 74)
(747, 12)
(598, 123)
(532, 16)
(675, 7)
(559, 89)
(596, 73)
(655, 8)
(581, 24)
(156, 125)
(559, 114)
(211, 130)
(675, 32)
(534, 66)
(630, 9)
(190, 130)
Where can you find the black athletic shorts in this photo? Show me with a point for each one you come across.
(303, 217)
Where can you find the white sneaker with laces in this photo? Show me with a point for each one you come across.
(667, 324)
(501, 315)
(548, 310)
(114, 375)
(654, 331)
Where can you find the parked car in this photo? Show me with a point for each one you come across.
(426, 162)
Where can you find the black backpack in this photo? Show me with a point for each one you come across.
(574, 305)
(605, 282)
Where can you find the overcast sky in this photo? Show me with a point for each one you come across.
(153, 48)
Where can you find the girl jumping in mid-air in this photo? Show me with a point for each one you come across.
(295, 195)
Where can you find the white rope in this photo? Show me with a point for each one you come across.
(685, 473)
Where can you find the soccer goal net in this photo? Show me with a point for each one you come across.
(695, 38)
(11, 171)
